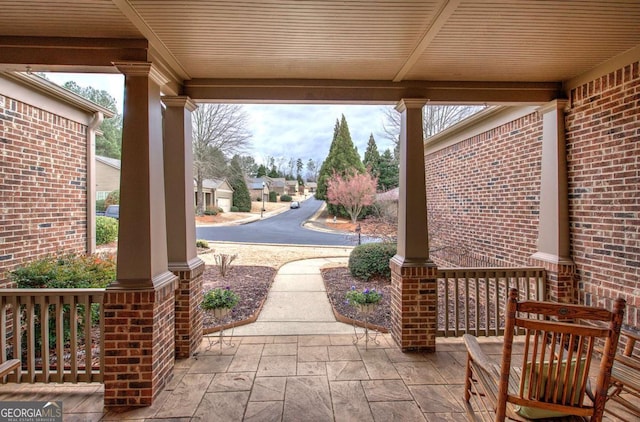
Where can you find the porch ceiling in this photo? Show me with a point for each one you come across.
(326, 40)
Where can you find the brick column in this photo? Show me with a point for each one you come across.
(139, 320)
(553, 227)
(413, 275)
(181, 229)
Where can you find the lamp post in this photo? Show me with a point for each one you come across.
(262, 209)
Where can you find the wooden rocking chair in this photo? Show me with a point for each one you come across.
(553, 376)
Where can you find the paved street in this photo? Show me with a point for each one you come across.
(284, 228)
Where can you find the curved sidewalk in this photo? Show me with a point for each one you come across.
(297, 303)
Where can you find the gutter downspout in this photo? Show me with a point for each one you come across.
(92, 129)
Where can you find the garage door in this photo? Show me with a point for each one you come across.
(225, 204)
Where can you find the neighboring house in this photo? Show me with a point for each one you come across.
(107, 176)
(258, 187)
(46, 197)
(310, 188)
(291, 187)
(217, 193)
(277, 185)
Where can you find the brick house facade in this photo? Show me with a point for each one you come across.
(44, 134)
(483, 191)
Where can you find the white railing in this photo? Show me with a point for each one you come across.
(56, 333)
(472, 300)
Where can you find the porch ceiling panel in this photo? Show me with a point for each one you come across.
(529, 41)
(292, 39)
(65, 18)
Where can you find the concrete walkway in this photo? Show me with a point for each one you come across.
(297, 303)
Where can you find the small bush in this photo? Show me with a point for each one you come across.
(106, 230)
(273, 196)
(211, 211)
(220, 298)
(101, 205)
(201, 243)
(258, 199)
(234, 209)
(371, 260)
(285, 198)
(66, 271)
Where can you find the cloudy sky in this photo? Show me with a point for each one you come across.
(290, 131)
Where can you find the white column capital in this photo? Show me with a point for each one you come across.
(179, 101)
(554, 105)
(407, 103)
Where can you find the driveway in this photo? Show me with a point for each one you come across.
(284, 228)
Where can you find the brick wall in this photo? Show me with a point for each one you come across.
(603, 147)
(42, 185)
(483, 197)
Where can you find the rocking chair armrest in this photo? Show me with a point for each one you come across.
(629, 361)
(9, 366)
(478, 356)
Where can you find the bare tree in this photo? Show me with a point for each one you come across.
(435, 119)
(219, 131)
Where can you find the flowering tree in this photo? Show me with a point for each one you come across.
(352, 191)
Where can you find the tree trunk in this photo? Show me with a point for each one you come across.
(199, 194)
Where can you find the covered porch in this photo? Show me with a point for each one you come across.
(421, 55)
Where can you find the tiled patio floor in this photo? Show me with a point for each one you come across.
(290, 378)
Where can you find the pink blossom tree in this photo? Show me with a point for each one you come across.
(352, 191)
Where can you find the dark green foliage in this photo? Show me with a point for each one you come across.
(258, 199)
(234, 209)
(211, 211)
(273, 196)
(371, 260)
(220, 298)
(273, 173)
(241, 196)
(285, 198)
(101, 205)
(262, 171)
(343, 158)
(201, 243)
(372, 157)
(388, 177)
(106, 230)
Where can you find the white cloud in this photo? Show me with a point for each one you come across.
(290, 131)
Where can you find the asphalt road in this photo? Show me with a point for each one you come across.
(284, 228)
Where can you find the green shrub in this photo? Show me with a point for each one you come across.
(65, 272)
(220, 298)
(106, 230)
(371, 260)
(234, 209)
(285, 198)
(201, 243)
(211, 211)
(258, 199)
(101, 205)
(273, 196)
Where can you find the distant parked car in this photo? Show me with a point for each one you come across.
(112, 211)
(294, 204)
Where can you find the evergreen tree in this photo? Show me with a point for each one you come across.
(342, 159)
(389, 172)
(241, 197)
(273, 173)
(372, 157)
(262, 171)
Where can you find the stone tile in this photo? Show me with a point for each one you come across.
(396, 355)
(435, 399)
(231, 381)
(381, 370)
(447, 366)
(314, 340)
(446, 417)
(268, 389)
(250, 349)
(257, 339)
(400, 411)
(308, 399)
(312, 354)
(276, 366)
(84, 417)
(285, 339)
(244, 363)
(386, 390)
(418, 373)
(346, 371)
(312, 368)
(343, 353)
(184, 400)
(280, 349)
(175, 380)
(226, 407)
(349, 401)
(341, 340)
(139, 413)
(266, 411)
(206, 364)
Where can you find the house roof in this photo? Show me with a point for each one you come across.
(211, 183)
(311, 184)
(471, 51)
(112, 162)
(390, 195)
